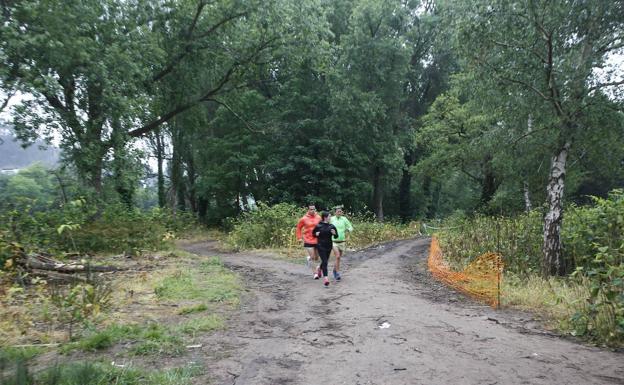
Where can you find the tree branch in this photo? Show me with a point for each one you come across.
(187, 48)
(208, 96)
(6, 102)
(248, 125)
(602, 85)
(470, 175)
(512, 80)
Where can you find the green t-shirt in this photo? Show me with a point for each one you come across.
(342, 225)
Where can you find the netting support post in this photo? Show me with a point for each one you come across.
(498, 277)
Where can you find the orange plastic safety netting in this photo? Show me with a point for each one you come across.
(480, 279)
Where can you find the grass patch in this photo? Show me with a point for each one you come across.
(10, 353)
(153, 339)
(555, 298)
(202, 324)
(93, 373)
(564, 303)
(210, 282)
(193, 309)
(150, 339)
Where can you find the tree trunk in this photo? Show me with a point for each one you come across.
(405, 209)
(162, 198)
(527, 197)
(202, 209)
(191, 175)
(177, 173)
(95, 179)
(527, 193)
(488, 183)
(378, 194)
(553, 263)
(405, 188)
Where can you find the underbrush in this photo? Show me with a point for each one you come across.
(274, 227)
(590, 301)
(81, 227)
(158, 309)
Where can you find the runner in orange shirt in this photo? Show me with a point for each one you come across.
(304, 233)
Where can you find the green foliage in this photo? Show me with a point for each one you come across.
(86, 227)
(518, 239)
(80, 303)
(596, 245)
(267, 226)
(274, 227)
(369, 232)
(587, 231)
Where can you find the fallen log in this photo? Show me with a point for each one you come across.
(50, 275)
(36, 261)
(32, 261)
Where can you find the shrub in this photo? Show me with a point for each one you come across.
(266, 227)
(80, 226)
(274, 227)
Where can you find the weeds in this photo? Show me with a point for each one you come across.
(100, 373)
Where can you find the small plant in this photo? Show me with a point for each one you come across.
(81, 302)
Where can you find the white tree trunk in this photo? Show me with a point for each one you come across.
(527, 198)
(527, 193)
(553, 263)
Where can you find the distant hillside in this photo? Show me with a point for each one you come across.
(13, 156)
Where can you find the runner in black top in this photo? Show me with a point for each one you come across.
(325, 231)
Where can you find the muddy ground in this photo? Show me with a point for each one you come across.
(292, 330)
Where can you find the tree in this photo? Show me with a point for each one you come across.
(101, 72)
(368, 87)
(554, 50)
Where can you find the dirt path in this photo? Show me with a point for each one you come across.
(291, 330)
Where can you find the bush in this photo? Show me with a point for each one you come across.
(266, 227)
(80, 226)
(517, 239)
(274, 227)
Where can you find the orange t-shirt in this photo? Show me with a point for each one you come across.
(308, 223)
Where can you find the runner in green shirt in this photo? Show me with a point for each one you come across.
(340, 243)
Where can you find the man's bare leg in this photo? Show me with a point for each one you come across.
(310, 251)
(338, 253)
